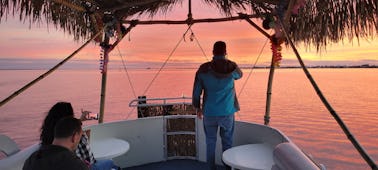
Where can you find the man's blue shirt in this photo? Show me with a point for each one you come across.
(216, 80)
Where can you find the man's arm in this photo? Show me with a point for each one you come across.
(196, 96)
(237, 73)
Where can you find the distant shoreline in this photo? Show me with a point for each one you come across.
(337, 66)
(45, 64)
(188, 68)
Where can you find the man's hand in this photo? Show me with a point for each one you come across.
(199, 113)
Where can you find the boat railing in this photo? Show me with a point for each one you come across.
(148, 107)
(142, 101)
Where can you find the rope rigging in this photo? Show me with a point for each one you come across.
(338, 119)
(192, 37)
(127, 73)
(250, 73)
(199, 45)
(49, 71)
(129, 80)
(166, 61)
(253, 67)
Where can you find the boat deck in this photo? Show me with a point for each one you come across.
(174, 165)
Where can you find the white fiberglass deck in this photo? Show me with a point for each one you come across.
(147, 145)
(147, 140)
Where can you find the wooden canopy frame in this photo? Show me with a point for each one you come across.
(317, 23)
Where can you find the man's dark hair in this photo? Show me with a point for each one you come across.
(66, 127)
(57, 112)
(219, 48)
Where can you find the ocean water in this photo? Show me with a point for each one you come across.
(295, 108)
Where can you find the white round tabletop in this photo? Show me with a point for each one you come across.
(109, 148)
(249, 157)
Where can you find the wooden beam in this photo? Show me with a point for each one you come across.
(145, 2)
(207, 20)
(257, 28)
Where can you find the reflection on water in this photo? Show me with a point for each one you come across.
(295, 109)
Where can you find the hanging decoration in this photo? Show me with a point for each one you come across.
(110, 30)
(270, 22)
(276, 39)
(191, 36)
(102, 60)
(276, 50)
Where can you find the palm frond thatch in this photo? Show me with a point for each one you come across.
(317, 23)
(330, 21)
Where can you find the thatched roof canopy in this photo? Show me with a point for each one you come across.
(317, 21)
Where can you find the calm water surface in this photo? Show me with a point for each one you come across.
(296, 109)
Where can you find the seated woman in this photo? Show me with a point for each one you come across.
(61, 110)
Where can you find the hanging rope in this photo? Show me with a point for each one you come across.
(343, 126)
(166, 61)
(127, 73)
(199, 45)
(253, 67)
(130, 112)
(48, 72)
(129, 79)
(250, 73)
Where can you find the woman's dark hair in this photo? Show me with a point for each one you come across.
(57, 112)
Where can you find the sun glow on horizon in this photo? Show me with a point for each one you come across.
(158, 43)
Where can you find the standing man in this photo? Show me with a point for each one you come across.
(216, 80)
(60, 154)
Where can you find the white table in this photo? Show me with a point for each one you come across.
(249, 157)
(109, 148)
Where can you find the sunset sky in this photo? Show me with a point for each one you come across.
(23, 43)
